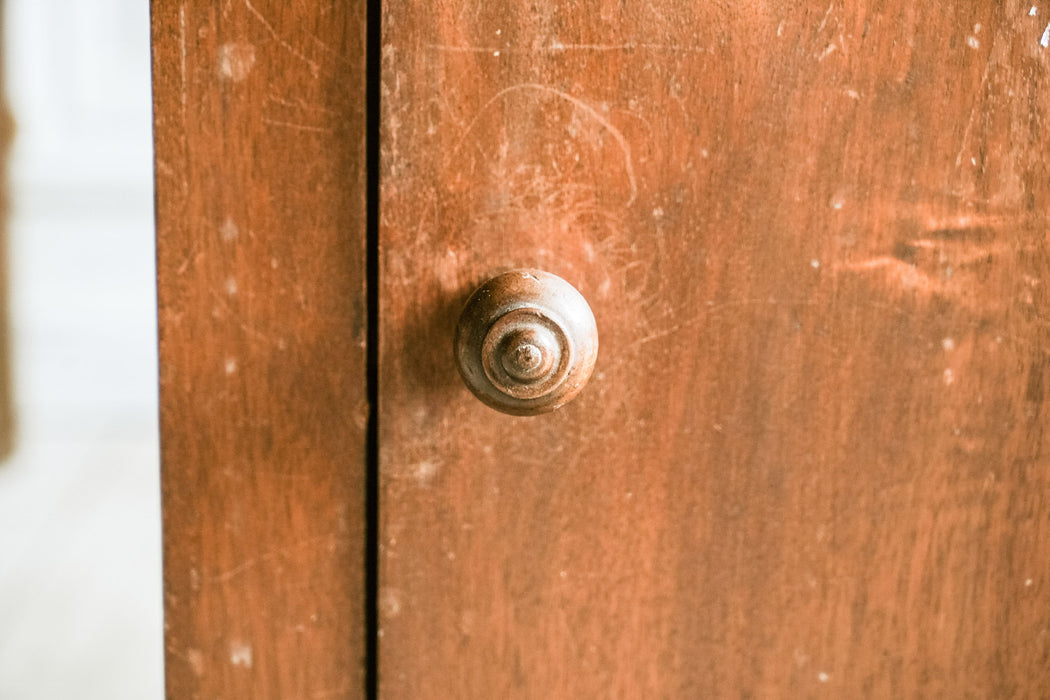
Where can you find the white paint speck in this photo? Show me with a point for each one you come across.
(949, 377)
(425, 471)
(195, 659)
(853, 94)
(1033, 12)
(229, 230)
(823, 677)
(230, 365)
(496, 54)
(231, 286)
(977, 28)
(948, 344)
(563, 574)
(236, 61)
(704, 153)
(658, 213)
(389, 603)
(241, 654)
(1028, 582)
(814, 263)
(1045, 40)
(972, 42)
(837, 202)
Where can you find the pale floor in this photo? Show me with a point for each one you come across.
(80, 593)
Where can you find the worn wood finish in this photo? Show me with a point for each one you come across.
(260, 132)
(810, 461)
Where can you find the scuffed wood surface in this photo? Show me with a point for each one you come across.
(810, 462)
(260, 163)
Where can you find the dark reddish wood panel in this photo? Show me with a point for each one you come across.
(260, 162)
(811, 459)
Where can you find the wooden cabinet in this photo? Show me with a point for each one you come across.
(809, 462)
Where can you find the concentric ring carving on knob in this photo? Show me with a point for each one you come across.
(526, 342)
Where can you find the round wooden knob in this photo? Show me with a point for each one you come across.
(526, 342)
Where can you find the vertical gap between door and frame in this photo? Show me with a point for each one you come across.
(373, 71)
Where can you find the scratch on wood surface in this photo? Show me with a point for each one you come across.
(824, 22)
(259, 335)
(713, 306)
(582, 106)
(297, 126)
(830, 49)
(963, 256)
(974, 111)
(300, 105)
(191, 258)
(959, 257)
(950, 258)
(328, 49)
(333, 692)
(558, 47)
(830, 46)
(182, 59)
(283, 552)
(314, 68)
(905, 275)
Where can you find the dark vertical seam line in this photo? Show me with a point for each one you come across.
(373, 75)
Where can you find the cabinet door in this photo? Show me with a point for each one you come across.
(260, 133)
(810, 461)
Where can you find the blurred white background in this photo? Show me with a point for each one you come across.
(80, 563)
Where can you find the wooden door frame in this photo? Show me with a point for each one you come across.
(264, 321)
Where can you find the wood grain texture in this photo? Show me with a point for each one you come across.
(260, 164)
(810, 462)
